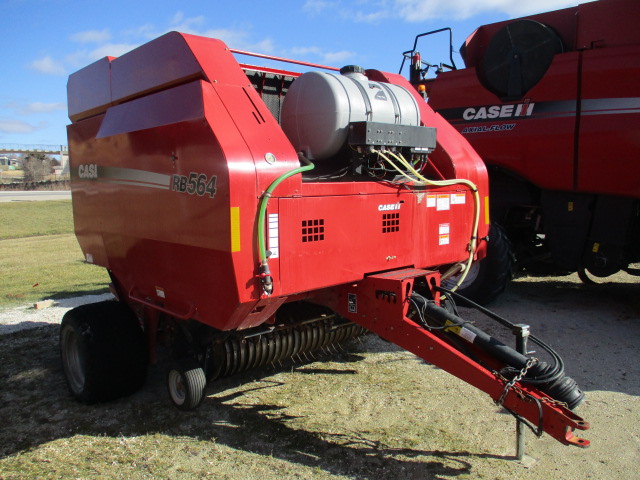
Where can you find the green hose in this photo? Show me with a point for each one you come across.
(265, 274)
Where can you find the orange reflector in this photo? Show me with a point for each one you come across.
(486, 211)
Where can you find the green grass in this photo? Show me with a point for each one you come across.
(29, 219)
(40, 257)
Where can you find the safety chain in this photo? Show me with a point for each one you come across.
(515, 380)
(554, 403)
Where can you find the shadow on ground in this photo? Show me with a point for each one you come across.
(594, 329)
(37, 409)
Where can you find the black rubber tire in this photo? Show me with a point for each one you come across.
(489, 277)
(103, 351)
(186, 382)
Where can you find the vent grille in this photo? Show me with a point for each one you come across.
(313, 230)
(271, 87)
(390, 222)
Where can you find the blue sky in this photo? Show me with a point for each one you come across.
(43, 41)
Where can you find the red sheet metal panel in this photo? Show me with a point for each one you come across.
(609, 137)
(166, 187)
(89, 90)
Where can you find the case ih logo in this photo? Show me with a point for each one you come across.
(389, 206)
(499, 111)
(88, 171)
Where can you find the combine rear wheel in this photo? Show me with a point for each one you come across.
(488, 278)
(186, 382)
(103, 351)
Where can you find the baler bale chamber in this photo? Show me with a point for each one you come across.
(247, 215)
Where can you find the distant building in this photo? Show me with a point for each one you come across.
(10, 161)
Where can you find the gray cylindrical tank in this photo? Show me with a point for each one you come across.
(319, 107)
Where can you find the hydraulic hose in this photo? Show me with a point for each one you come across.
(264, 272)
(555, 384)
(446, 183)
(553, 372)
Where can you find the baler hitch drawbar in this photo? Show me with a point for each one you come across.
(395, 305)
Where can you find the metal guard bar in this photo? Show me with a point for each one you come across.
(281, 59)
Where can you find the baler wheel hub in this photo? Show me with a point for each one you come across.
(72, 358)
(186, 382)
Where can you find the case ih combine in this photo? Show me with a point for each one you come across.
(551, 103)
(247, 215)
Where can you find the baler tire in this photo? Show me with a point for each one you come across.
(103, 351)
(186, 382)
(489, 277)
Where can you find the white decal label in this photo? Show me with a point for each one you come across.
(458, 198)
(443, 202)
(274, 239)
(431, 201)
(443, 234)
(468, 335)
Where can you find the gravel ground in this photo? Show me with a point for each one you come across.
(376, 413)
(26, 317)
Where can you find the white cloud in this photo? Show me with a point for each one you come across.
(234, 38)
(375, 12)
(11, 125)
(146, 31)
(177, 18)
(48, 66)
(82, 58)
(187, 25)
(264, 46)
(323, 56)
(306, 50)
(43, 107)
(370, 17)
(336, 57)
(318, 6)
(34, 107)
(237, 37)
(78, 59)
(92, 36)
(111, 50)
(519, 9)
(421, 10)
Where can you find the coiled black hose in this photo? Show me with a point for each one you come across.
(549, 378)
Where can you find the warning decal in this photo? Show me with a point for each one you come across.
(443, 201)
(274, 240)
(458, 198)
(443, 234)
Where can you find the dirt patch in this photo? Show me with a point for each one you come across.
(375, 412)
